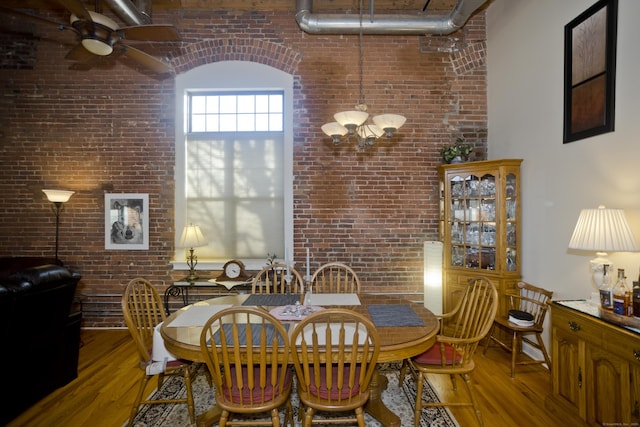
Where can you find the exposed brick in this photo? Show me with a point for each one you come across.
(112, 130)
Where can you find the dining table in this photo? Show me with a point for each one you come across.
(405, 329)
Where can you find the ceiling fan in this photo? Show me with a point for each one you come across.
(101, 38)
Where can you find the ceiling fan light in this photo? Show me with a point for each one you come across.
(97, 47)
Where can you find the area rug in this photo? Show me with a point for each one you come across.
(399, 398)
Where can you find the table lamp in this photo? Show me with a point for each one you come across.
(602, 230)
(192, 237)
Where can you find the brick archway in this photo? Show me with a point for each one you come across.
(249, 49)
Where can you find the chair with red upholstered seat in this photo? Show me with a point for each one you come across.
(335, 354)
(143, 310)
(247, 353)
(460, 333)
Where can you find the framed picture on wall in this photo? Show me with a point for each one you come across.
(126, 221)
(589, 71)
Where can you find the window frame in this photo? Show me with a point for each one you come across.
(232, 76)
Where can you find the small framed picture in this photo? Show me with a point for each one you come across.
(126, 221)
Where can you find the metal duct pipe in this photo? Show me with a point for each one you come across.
(384, 24)
(129, 13)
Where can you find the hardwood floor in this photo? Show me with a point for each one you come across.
(108, 376)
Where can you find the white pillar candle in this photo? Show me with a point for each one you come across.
(308, 275)
(286, 262)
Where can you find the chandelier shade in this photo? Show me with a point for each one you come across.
(389, 122)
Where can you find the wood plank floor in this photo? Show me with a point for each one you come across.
(108, 376)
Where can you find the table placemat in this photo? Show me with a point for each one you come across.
(197, 315)
(256, 330)
(272, 300)
(394, 315)
(331, 299)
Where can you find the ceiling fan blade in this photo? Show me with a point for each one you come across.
(146, 60)
(79, 53)
(150, 33)
(76, 7)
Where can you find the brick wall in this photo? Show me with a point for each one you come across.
(111, 130)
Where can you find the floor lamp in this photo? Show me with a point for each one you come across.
(57, 197)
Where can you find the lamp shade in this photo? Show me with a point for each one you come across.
(389, 121)
(58, 196)
(351, 118)
(603, 230)
(334, 129)
(192, 237)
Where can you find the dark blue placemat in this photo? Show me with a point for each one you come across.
(274, 300)
(256, 329)
(393, 315)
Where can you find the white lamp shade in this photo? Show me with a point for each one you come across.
(389, 121)
(354, 118)
(58, 196)
(603, 230)
(192, 237)
(333, 129)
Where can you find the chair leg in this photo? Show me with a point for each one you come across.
(418, 407)
(467, 382)
(488, 339)
(275, 417)
(187, 385)
(308, 417)
(288, 417)
(360, 416)
(514, 353)
(403, 371)
(547, 359)
(136, 403)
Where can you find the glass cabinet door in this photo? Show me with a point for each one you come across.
(472, 221)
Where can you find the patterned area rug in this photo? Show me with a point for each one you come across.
(400, 399)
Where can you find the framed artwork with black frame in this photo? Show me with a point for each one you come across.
(126, 221)
(589, 71)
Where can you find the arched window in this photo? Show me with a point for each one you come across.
(234, 162)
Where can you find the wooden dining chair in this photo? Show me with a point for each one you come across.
(335, 353)
(143, 311)
(272, 280)
(336, 278)
(460, 333)
(532, 300)
(247, 352)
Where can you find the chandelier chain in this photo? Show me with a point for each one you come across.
(361, 58)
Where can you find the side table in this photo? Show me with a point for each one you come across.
(181, 288)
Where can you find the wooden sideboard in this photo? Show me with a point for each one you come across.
(596, 367)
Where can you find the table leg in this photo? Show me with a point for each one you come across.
(209, 418)
(376, 407)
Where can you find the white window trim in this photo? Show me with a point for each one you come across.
(231, 75)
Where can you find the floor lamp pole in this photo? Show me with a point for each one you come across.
(57, 208)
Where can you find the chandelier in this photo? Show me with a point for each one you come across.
(353, 124)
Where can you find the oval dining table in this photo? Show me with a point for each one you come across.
(397, 342)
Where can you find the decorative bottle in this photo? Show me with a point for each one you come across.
(621, 296)
(606, 296)
(636, 299)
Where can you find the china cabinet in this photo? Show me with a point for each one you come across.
(480, 226)
(596, 367)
